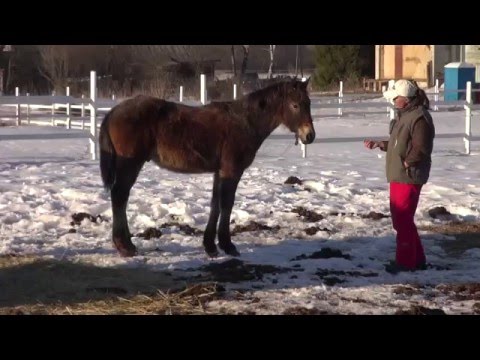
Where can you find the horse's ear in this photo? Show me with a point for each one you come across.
(292, 84)
(305, 83)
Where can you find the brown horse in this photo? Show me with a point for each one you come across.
(222, 138)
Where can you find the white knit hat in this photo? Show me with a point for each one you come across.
(403, 88)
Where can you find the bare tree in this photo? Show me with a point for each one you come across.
(180, 53)
(5, 49)
(177, 53)
(148, 64)
(153, 57)
(1, 70)
(149, 55)
(272, 57)
(55, 64)
(151, 60)
(234, 65)
(246, 49)
(296, 60)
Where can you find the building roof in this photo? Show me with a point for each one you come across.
(457, 65)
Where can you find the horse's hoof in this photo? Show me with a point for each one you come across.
(125, 249)
(212, 254)
(128, 252)
(231, 250)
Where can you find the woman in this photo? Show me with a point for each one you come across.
(408, 163)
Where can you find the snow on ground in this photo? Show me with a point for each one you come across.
(47, 178)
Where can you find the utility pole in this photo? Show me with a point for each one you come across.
(296, 61)
(1, 82)
(4, 76)
(300, 59)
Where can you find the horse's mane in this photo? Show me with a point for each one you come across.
(270, 93)
(258, 99)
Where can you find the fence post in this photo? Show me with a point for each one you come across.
(203, 89)
(53, 109)
(17, 112)
(391, 107)
(340, 99)
(437, 90)
(302, 145)
(384, 88)
(93, 115)
(181, 94)
(28, 110)
(391, 112)
(234, 91)
(113, 96)
(468, 118)
(82, 112)
(69, 124)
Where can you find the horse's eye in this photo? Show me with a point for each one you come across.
(295, 106)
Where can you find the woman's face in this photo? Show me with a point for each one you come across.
(400, 102)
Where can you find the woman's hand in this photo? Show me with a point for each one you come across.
(371, 144)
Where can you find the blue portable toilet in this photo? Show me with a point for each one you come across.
(457, 74)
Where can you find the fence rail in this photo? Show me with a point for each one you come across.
(87, 110)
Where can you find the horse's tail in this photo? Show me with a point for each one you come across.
(107, 155)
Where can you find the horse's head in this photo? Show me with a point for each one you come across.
(296, 111)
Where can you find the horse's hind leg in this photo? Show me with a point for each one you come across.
(126, 172)
(211, 229)
(228, 187)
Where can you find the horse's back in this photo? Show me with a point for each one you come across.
(176, 136)
(131, 124)
(141, 109)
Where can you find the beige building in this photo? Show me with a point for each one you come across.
(472, 56)
(423, 63)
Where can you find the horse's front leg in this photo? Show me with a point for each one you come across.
(227, 188)
(211, 229)
(126, 171)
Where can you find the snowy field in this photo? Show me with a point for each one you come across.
(47, 178)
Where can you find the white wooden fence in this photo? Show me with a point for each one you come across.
(467, 104)
(56, 102)
(25, 104)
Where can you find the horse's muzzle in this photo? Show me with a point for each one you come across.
(310, 138)
(306, 134)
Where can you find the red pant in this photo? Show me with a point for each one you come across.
(403, 204)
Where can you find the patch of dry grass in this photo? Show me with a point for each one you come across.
(33, 285)
(190, 301)
(467, 235)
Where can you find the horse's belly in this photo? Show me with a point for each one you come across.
(184, 160)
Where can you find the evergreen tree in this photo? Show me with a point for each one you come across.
(334, 63)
